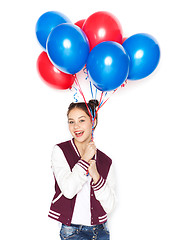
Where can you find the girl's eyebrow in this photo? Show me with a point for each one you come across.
(79, 117)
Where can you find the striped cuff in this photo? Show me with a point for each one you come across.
(99, 184)
(54, 214)
(83, 164)
(103, 218)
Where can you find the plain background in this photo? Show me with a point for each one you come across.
(145, 127)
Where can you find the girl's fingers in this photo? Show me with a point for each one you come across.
(91, 162)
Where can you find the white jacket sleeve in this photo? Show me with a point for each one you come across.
(105, 191)
(69, 182)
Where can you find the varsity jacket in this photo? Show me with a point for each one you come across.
(70, 176)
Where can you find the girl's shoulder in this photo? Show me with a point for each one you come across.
(67, 147)
(62, 144)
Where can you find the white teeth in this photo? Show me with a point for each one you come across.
(77, 133)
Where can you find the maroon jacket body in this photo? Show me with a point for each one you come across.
(62, 208)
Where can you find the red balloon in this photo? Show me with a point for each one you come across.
(102, 26)
(80, 23)
(51, 75)
(123, 40)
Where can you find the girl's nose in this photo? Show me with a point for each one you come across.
(76, 125)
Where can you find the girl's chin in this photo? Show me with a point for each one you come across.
(82, 138)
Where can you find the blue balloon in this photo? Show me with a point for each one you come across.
(46, 23)
(68, 48)
(144, 54)
(108, 65)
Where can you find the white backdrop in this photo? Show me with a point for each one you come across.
(145, 127)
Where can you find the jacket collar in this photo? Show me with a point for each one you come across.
(76, 150)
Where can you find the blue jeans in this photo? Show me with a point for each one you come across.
(80, 232)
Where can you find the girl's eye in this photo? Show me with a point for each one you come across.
(70, 122)
(82, 120)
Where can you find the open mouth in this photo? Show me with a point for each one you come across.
(79, 133)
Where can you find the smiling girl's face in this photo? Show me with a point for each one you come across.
(80, 125)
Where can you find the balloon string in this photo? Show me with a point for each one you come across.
(87, 77)
(91, 114)
(91, 89)
(103, 99)
(93, 121)
(93, 97)
(75, 95)
(99, 106)
(96, 93)
(86, 72)
(108, 98)
(81, 92)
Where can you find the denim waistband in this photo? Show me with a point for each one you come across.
(89, 228)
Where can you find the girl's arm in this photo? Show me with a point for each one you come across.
(105, 191)
(69, 182)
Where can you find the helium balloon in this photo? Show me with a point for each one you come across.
(80, 23)
(144, 54)
(123, 40)
(51, 75)
(102, 26)
(46, 23)
(108, 65)
(68, 48)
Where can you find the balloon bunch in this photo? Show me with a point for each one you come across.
(95, 43)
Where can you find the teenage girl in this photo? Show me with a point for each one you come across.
(84, 179)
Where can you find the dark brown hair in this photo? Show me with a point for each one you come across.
(92, 105)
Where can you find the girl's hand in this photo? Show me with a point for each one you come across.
(93, 171)
(89, 152)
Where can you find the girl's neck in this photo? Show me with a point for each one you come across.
(81, 146)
